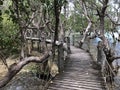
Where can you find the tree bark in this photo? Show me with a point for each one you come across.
(57, 13)
(89, 23)
(61, 57)
(99, 52)
(85, 34)
(102, 32)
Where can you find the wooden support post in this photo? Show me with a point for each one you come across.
(68, 45)
(39, 48)
(88, 44)
(101, 58)
(29, 46)
(60, 57)
(73, 36)
(32, 44)
(99, 53)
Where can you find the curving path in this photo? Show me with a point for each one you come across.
(80, 73)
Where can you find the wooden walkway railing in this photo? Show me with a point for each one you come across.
(111, 80)
(80, 73)
(49, 68)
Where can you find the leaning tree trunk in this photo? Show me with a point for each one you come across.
(89, 23)
(85, 34)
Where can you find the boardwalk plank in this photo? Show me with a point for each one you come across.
(79, 74)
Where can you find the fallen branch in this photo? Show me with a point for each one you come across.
(16, 67)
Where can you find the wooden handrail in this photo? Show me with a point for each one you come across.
(106, 70)
(109, 74)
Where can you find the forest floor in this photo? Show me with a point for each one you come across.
(10, 60)
(24, 80)
(4, 69)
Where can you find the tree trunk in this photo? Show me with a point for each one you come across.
(99, 52)
(89, 23)
(60, 57)
(57, 13)
(102, 32)
(85, 34)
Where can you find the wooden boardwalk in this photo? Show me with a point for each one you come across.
(79, 74)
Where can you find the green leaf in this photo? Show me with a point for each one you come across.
(7, 11)
(1, 18)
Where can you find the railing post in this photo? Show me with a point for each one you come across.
(106, 69)
(68, 45)
(32, 44)
(99, 53)
(29, 46)
(73, 36)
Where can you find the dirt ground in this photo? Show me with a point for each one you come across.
(10, 61)
(23, 79)
(3, 69)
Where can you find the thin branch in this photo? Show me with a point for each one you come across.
(100, 1)
(2, 57)
(116, 57)
(48, 26)
(115, 23)
(85, 12)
